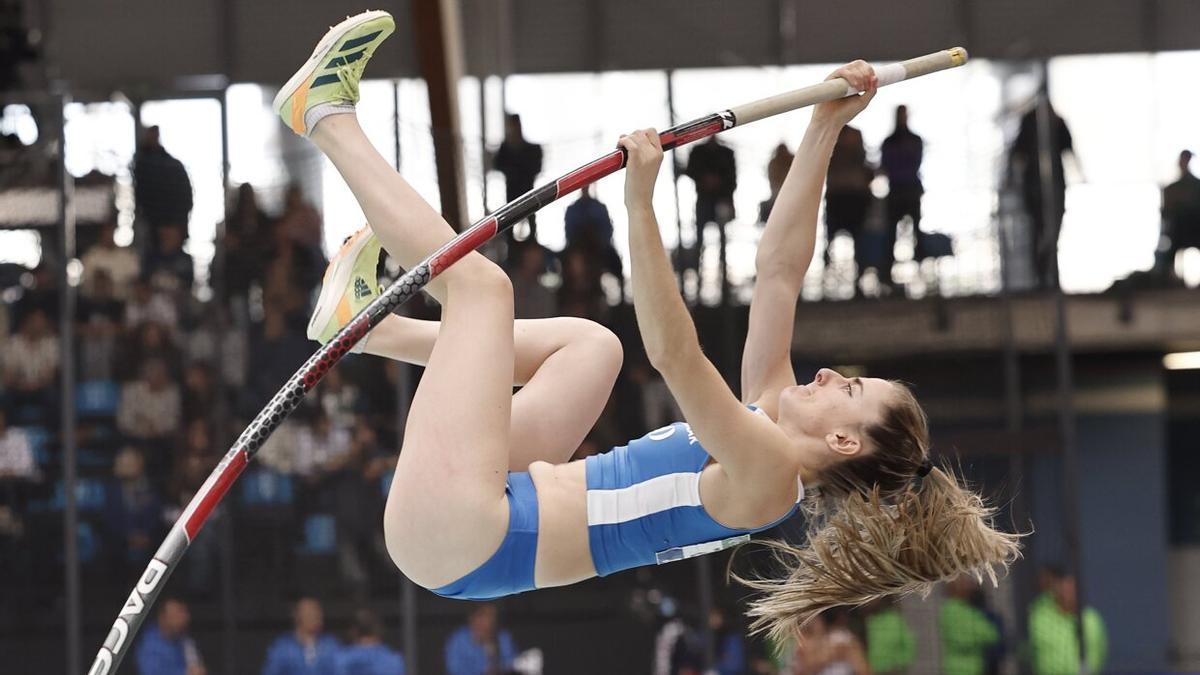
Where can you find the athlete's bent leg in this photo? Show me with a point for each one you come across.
(565, 367)
(447, 510)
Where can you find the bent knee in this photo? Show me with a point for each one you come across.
(604, 347)
(479, 274)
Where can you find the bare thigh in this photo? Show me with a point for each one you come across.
(565, 367)
(446, 511)
(560, 403)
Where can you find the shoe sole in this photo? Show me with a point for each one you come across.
(334, 283)
(320, 53)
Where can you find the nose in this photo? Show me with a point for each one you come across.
(824, 376)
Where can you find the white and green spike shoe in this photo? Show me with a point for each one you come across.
(350, 284)
(328, 81)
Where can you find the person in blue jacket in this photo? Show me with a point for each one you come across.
(367, 654)
(306, 650)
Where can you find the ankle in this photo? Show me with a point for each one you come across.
(323, 121)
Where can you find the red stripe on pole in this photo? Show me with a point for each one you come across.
(692, 134)
(590, 173)
(217, 492)
(463, 244)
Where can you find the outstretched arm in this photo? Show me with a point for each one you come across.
(787, 244)
(739, 439)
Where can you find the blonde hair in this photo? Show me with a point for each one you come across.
(878, 527)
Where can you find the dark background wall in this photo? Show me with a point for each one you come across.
(110, 44)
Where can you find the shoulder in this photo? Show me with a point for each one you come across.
(151, 638)
(329, 641)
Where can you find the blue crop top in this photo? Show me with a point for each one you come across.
(643, 503)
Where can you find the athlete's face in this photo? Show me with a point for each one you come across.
(834, 410)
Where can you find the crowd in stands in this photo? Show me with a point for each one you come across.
(878, 639)
(166, 381)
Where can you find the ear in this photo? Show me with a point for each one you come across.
(843, 443)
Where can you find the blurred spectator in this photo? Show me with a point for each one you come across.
(148, 340)
(201, 397)
(244, 232)
(191, 468)
(340, 399)
(1053, 630)
(18, 44)
(146, 304)
(150, 412)
(16, 454)
(730, 643)
(712, 167)
(132, 511)
(1024, 166)
(366, 653)
(678, 648)
(327, 459)
(278, 451)
(900, 160)
(291, 272)
(306, 650)
(321, 448)
(967, 632)
(823, 649)
(99, 317)
(214, 339)
(848, 197)
(118, 263)
(162, 190)
(198, 441)
(777, 171)
(531, 298)
(1180, 218)
(480, 647)
(354, 486)
(520, 161)
(590, 228)
(31, 361)
(169, 268)
(300, 220)
(166, 648)
(247, 218)
(891, 645)
(18, 476)
(41, 292)
(277, 352)
(581, 294)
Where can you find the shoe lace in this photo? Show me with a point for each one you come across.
(350, 74)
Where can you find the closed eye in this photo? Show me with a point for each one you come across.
(850, 390)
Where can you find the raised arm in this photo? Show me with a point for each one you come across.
(787, 244)
(730, 432)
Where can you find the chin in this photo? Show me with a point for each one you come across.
(795, 392)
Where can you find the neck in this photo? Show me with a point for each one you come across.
(808, 450)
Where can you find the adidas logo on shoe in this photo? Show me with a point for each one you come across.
(361, 289)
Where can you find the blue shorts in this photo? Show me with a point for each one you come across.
(510, 569)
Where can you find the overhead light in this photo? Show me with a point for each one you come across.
(1182, 361)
